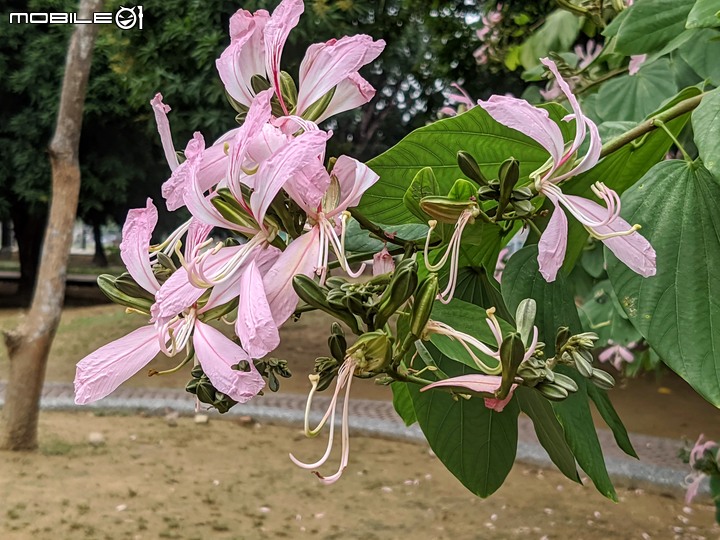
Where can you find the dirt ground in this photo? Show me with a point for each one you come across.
(150, 480)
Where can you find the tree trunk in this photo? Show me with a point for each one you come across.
(29, 344)
(7, 234)
(99, 259)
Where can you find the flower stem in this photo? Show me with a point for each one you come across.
(650, 124)
(662, 125)
(378, 231)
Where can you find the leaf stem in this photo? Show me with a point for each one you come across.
(650, 124)
(662, 126)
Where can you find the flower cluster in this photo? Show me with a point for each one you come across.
(489, 34)
(265, 183)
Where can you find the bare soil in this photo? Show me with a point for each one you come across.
(225, 479)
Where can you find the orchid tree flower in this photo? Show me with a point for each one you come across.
(695, 478)
(214, 162)
(462, 102)
(256, 44)
(102, 371)
(602, 222)
(383, 262)
(327, 220)
(485, 384)
(616, 354)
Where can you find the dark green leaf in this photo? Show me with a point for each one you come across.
(403, 402)
(701, 53)
(677, 310)
(423, 185)
(608, 413)
(548, 430)
(706, 127)
(704, 14)
(476, 444)
(650, 24)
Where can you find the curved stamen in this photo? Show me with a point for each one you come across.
(169, 244)
(198, 275)
(452, 252)
(436, 327)
(533, 345)
(345, 438)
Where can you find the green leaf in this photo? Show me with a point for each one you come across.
(555, 303)
(650, 24)
(557, 34)
(476, 444)
(402, 402)
(436, 145)
(677, 310)
(701, 53)
(704, 14)
(633, 97)
(608, 413)
(602, 314)
(706, 127)
(423, 185)
(548, 430)
(358, 240)
(574, 416)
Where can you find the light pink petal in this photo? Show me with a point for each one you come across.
(579, 117)
(300, 257)
(694, 486)
(217, 354)
(175, 295)
(349, 94)
(308, 187)
(163, 127)
(303, 151)
(553, 243)
(255, 326)
(264, 144)
(534, 122)
(625, 354)
(592, 156)
(355, 179)
(245, 56)
(383, 262)
(284, 18)
(134, 248)
(477, 383)
(635, 62)
(197, 233)
(101, 372)
(173, 190)
(633, 249)
(328, 64)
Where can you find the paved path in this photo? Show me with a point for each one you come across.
(658, 464)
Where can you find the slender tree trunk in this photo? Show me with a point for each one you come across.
(99, 259)
(29, 344)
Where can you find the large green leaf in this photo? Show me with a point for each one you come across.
(557, 34)
(358, 240)
(650, 24)
(678, 310)
(548, 430)
(706, 127)
(574, 415)
(602, 314)
(702, 52)
(476, 444)
(555, 303)
(402, 402)
(622, 169)
(608, 413)
(704, 14)
(437, 145)
(633, 97)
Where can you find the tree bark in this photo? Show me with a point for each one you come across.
(29, 344)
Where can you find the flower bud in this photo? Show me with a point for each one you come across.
(565, 382)
(561, 338)
(372, 351)
(602, 379)
(424, 300)
(551, 391)
(470, 168)
(445, 209)
(106, 282)
(525, 319)
(402, 286)
(315, 296)
(582, 364)
(337, 342)
(512, 351)
(509, 175)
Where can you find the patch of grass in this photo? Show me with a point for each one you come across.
(56, 447)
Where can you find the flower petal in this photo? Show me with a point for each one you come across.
(285, 17)
(254, 325)
(328, 64)
(355, 179)
(383, 262)
(590, 159)
(534, 122)
(217, 354)
(300, 257)
(101, 372)
(553, 243)
(175, 295)
(134, 248)
(580, 119)
(478, 383)
(349, 94)
(163, 127)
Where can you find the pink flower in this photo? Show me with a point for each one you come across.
(616, 354)
(636, 61)
(694, 479)
(485, 384)
(587, 55)
(257, 42)
(102, 371)
(383, 262)
(602, 222)
(462, 102)
(325, 198)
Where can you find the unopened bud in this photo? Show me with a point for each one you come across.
(509, 175)
(602, 379)
(582, 364)
(106, 282)
(512, 351)
(525, 319)
(372, 352)
(423, 305)
(445, 209)
(565, 382)
(402, 286)
(470, 168)
(551, 391)
(561, 338)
